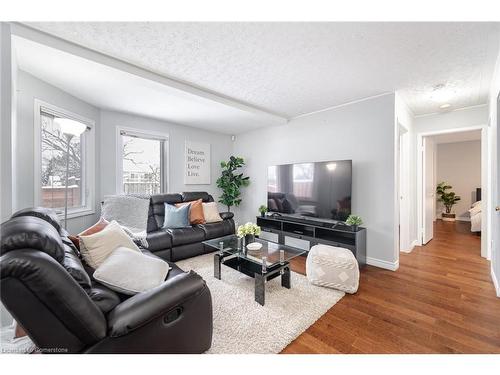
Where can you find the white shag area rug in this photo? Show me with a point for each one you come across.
(242, 326)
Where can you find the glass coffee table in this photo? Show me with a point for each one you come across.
(270, 261)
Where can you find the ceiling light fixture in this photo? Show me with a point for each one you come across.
(441, 93)
(445, 106)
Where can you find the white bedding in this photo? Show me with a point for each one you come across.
(475, 217)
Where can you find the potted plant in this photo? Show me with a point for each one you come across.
(231, 182)
(354, 221)
(248, 231)
(449, 199)
(263, 210)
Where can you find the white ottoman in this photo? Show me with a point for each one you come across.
(333, 267)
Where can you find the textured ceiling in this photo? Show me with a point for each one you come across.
(296, 68)
(110, 88)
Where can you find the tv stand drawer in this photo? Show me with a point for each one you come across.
(297, 242)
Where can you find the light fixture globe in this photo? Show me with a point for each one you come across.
(70, 127)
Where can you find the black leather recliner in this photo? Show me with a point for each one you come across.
(50, 293)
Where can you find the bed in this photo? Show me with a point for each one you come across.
(475, 213)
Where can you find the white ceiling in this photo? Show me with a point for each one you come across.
(109, 88)
(465, 136)
(297, 68)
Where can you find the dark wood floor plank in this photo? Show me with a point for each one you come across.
(440, 300)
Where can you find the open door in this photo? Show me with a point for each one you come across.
(429, 190)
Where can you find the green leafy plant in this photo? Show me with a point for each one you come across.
(263, 209)
(449, 198)
(248, 228)
(231, 182)
(354, 220)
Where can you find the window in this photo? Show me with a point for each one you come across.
(51, 147)
(142, 163)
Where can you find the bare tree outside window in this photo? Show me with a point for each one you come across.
(53, 173)
(141, 165)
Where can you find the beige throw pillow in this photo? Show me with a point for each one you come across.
(98, 246)
(129, 272)
(211, 212)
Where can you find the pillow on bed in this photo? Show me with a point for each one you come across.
(475, 209)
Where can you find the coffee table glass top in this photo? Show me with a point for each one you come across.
(270, 250)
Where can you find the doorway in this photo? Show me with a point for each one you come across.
(457, 158)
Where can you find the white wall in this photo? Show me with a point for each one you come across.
(7, 87)
(221, 149)
(362, 131)
(461, 118)
(29, 89)
(494, 144)
(407, 205)
(459, 164)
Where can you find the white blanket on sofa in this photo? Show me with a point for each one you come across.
(475, 217)
(131, 212)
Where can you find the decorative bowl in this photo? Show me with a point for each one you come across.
(254, 246)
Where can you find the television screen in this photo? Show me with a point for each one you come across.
(320, 189)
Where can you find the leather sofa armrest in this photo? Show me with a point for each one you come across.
(160, 301)
(226, 215)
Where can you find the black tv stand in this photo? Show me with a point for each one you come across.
(307, 232)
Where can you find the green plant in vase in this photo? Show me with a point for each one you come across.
(248, 231)
(354, 221)
(449, 199)
(231, 182)
(263, 210)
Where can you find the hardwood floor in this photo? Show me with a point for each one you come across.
(440, 300)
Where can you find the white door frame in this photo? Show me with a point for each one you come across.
(485, 181)
(403, 188)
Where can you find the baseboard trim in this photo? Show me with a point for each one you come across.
(392, 266)
(496, 284)
(410, 249)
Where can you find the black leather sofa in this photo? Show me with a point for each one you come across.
(53, 296)
(176, 244)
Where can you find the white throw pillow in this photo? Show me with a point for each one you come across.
(211, 212)
(130, 272)
(98, 246)
(475, 210)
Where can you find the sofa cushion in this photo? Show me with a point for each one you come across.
(159, 240)
(196, 215)
(176, 217)
(130, 272)
(211, 212)
(46, 214)
(188, 196)
(74, 266)
(97, 247)
(158, 206)
(213, 230)
(105, 298)
(182, 236)
(187, 251)
(28, 232)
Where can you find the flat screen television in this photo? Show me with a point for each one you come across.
(319, 189)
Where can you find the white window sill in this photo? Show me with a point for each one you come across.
(76, 213)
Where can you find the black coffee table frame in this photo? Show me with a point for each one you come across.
(260, 273)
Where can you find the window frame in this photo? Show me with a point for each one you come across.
(146, 134)
(88, 151)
